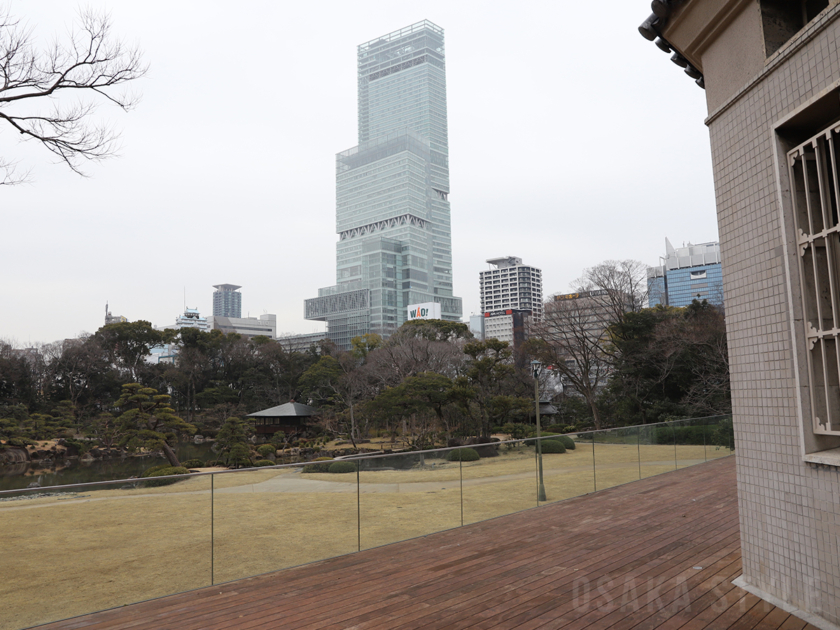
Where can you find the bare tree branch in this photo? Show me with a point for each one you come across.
(90, 65)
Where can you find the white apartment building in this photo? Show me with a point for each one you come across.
(506, 287)
(190, 319)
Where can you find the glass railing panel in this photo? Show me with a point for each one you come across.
(567, 474)
(502, 481)
(78, 550)
(690, 441)
(656, 449)
(407, 495)
(719, 438)
(269, 519)
(616, 457)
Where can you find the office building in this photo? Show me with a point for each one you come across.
(303, 342)
(265, 325)
(508, 288)
(772, 119)
(392, 192)
(687, 273)
(586, 314)
(227, 301)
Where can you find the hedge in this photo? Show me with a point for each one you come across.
(720, 434)
(322, 466)
(552, 446)
(342, 467)
(565, 440)
(463, 455)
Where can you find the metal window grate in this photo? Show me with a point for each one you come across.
(815, 192)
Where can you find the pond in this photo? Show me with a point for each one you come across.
(71, 471)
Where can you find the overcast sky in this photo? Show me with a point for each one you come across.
(572, 140)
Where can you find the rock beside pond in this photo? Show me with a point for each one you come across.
(198, 439)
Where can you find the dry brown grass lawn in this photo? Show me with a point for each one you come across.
(71, 554)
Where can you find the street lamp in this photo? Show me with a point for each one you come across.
(536, 368)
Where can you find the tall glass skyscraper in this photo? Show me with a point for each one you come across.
(392, 192)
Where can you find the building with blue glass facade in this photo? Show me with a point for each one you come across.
(688, 273)
(392, 192)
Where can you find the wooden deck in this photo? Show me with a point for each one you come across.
(658, 553)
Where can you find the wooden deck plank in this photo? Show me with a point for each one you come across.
(517, 572)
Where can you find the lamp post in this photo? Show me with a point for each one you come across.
(536, 367)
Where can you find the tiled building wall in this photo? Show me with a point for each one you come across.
(790, 519)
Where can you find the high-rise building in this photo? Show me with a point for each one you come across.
(510, 284)
(688, 273)
(392, 192)
(227, 300)
(508, 291)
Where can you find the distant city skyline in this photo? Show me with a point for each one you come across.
(245, 181)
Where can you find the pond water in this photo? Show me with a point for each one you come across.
(71, 471)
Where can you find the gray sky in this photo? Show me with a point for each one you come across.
(572, 140)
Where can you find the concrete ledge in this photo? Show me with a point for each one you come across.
(830, 457)
(818, 622)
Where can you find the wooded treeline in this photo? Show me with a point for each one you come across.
(431, 380)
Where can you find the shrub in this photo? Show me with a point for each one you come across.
(193, 463)
(80, 446)
(565, 440)
(552, 446)
(263, 462)
(266, 449)
(342, 467)
(463, 455)
(518, 431)
(163, 471)
(322, 467)
(149, 471)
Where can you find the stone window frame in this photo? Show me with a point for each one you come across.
(797, 130)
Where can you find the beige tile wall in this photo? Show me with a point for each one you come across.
(790, 518)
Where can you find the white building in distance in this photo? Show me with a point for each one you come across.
(190, 319)
(245, 326)
(507, 287)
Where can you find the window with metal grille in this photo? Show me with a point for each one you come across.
(815, 190)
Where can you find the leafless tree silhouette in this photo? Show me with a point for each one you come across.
(38, 86)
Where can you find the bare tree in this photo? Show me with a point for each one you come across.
(572, 337)
(625, 283)
(36, 86)
(405, 356)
